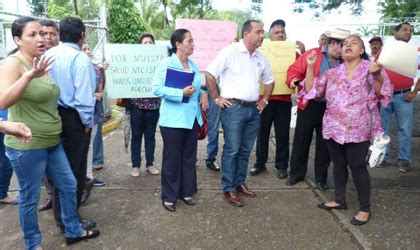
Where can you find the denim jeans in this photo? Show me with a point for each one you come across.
(143, 122)
(98, 147)
(30, 166)
(213, 120)
(6, 170)
(89, 169)
(240, 126)
(404, 115)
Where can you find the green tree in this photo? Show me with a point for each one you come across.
(153, 19)
(366, 31)
(123, 22)
(400, 12)
(237, 16)
(257, 6)
(389, 9)
(37, 7)
(88, 9)
(57, 9)
(321, 7)
(191, 8)
(75, 7)
(395, 11)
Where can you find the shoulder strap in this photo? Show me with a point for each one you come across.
(24, 64)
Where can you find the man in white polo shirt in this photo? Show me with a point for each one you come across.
(241, 68)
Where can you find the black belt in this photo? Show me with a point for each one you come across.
(401, 91)
(243, 103)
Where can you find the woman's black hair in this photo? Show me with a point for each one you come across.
(178, 36)
(146, 35)
(17, 28)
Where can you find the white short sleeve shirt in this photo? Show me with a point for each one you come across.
(240, 73)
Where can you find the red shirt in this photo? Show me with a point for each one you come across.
(298, 70)
(400, 82)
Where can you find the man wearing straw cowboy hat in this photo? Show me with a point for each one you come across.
(310, 114)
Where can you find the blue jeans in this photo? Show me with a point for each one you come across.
(30, 166)
(404, 115)
(213, 120)
(143, 122)
(6, 170)
(98, 147)
(240, 126)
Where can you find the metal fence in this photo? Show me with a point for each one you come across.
(96, 35)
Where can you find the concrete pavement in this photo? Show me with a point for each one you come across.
(130, 215)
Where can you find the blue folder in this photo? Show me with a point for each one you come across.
(179, 78)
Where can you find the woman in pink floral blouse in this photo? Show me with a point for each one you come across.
(352, 91)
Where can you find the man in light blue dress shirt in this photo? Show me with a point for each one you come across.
(74, 73)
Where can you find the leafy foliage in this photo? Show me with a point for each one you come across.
(88, 9)
(57, 9)
(37, 7)
(190, 8)
(154, 19)
(320, 7)
(237, 16)
(123, 22)
(256, 6)
(408, 10)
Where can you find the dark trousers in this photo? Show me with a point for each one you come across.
(308, 120)
(49, 186)
(6, 170)
(143, 122)
(354, 156)
(179, 177)
(278, 112)
(76, 145)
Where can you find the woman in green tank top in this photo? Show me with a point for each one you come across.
(31, 96)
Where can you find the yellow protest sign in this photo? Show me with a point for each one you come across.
(280, 55)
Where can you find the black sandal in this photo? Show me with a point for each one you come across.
(354, 221)
(339, 207)
(90, 234)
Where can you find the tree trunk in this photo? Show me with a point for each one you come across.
(166, 20)
(76, 11)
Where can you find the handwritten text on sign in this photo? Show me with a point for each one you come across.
(131, 69)
(280, 55)
(210, 36)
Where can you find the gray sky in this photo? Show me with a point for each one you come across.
(298, 26)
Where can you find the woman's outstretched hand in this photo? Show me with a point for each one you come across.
(40, 67)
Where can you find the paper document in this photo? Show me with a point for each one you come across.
(400, 57)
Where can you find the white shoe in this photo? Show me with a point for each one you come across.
(152, 170)
(135, 172)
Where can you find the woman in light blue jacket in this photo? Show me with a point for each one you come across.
(179, 123)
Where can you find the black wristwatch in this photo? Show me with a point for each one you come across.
(296, 83)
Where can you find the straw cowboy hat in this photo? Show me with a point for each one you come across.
(339, 34)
